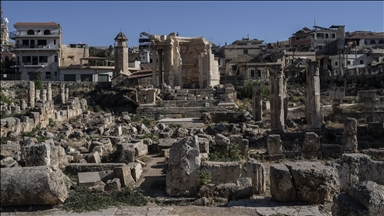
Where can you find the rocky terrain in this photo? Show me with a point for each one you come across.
(61, 145)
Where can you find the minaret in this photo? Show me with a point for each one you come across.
(121, 55)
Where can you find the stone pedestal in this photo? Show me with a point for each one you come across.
(257, 111)
(37, 95)
(312, 102)
(62, 93)
(31, 94)
(311, 144)
(277, 98)
(49, 91)
(350, 136)
(336, 94)
(43, 95)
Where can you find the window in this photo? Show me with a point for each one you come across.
(54, 42)
(259, 73)
(349, 62)
(48, 75)
(43, 58)
(327, 35)
(336, 63)
(69, 77)
(381, 41)
(333, 35)
(55, 73)
(320, 47)
(47, 32)
(234, 67)
(41, 42)
(361, 61)
(25, 42)
(245, 51)
(86, 77)
(252, 73)
(55, 58)
(373, 42)
(30, 32)
(27, 59)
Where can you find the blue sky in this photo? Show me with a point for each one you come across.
(98, 22)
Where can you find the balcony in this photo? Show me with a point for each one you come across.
(19, 47)
(16, 34)
(30, 65)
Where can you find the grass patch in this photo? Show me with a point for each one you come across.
(233, 154)
(150, 136)
(82, 199)
(175, 126)
(205, 177)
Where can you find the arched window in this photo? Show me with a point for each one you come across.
(373, 42)
(30, 32)
(381, 41)
(47, 32)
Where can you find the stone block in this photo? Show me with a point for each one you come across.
(113, 185)
(282, 186)
(126, 153)
(222, 172)
(124, 174)
(19, 186)
(37, 154)
(274, 144)
(88, 179)
(256, 171)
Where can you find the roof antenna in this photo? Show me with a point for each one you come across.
(120, 29)
(314, 22)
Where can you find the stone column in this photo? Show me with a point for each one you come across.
(312, 102)
(31, 93)
(336, 94)
(350, 136)
(154, 67)
(277, 98)
(311, 144)
(66, 94)
(37, 95)
(257, 108)
(49, 91)
(43, 95)
(62, 93)
(161, 80)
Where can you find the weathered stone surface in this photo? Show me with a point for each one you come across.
(274, 144)
(75, 168)
(350, 136)
(88, 179)
(282, 186)
(136, 170)
(126, 153)
(8, 162)
(232, 191)
(113, 184)
(37, 154)
(220, 139)
(364, 198)
(256, 171)
(19, 186)
(311, 144)
(361, 168)
(222, 172)
(183, 168)
(125, 176)
(165, 144)
(6, 150)
(314, 182)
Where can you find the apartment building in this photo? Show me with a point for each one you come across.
(324, 41)
(37, 49)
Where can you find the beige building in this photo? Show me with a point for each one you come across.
(183, 61)
(71, 54)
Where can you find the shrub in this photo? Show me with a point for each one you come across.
(205, 177)
(97, 108)
(175, 126)
(38, 84)
(160, 103)
(247, 90)
(82, 199)
(233, 154)
(147, 122)
(51, 123)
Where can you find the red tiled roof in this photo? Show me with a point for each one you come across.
(22, 24)
(142, 73)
